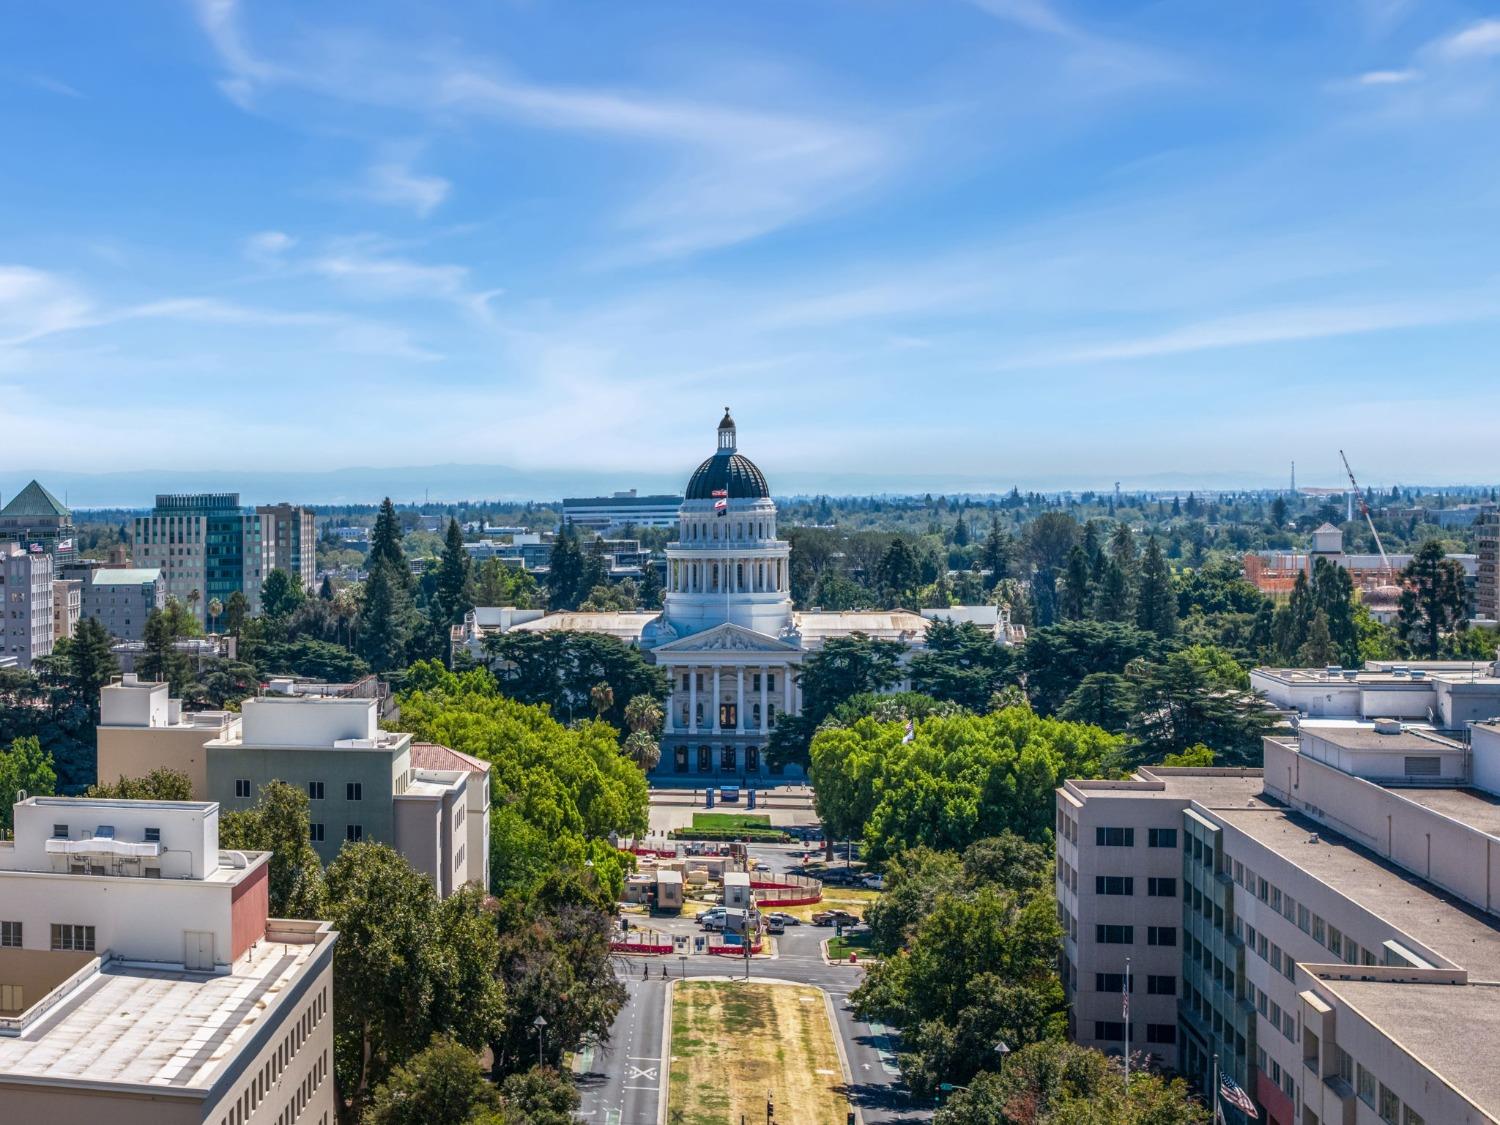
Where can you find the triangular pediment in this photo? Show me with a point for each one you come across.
(728, 638)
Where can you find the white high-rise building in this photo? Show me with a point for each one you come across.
(26, 620)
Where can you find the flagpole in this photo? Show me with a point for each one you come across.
(1214, 1091)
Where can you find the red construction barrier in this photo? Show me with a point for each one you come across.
(765, 902)
(639, 947)
(733, 950)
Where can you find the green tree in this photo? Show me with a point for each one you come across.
(442, 1083)
(388, 621)
(843, 668)
(914, 881)
(1077, 596)
(1433, 599)
(236, 611)
(281, 595)
(161, 784)
(643, 718)
(561, 669)
(651, 589)
(279, 824)
(454, 584)
(386, 544)
(997, 556)
(1053, 1082)
(406, 968)
(1197, 695)
(91, 663)
(1156, 603)
(25, 767)
(565, 572)
(897, 574)
(540, 1096)
(162, 661)
(558, 792)
(960, 662)
(1105, 699)
(1055, 660)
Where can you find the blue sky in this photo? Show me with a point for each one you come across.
(963, 240)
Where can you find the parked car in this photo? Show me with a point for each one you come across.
(840, 877)
(715, 922)
(775, 926)
(784, 918)
(874, 882)
(834, 918)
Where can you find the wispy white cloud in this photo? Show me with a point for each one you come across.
(1479, 40)
(394, 182)
(35, 303)
(1387, 77)
(733, 173)
(268, 246)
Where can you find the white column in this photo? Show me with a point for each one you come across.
(739, 707)
(692, 700)
(765, 671)
(716, 727)
(787, 704)
(669, 726)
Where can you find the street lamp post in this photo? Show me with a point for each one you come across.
(682, 957)
(1002, 1049)
(540, 1023)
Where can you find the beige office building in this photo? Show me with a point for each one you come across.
(141, 981)
(430, 803)
(1328, 927)
(291, 539)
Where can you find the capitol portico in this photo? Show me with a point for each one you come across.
(728, 637)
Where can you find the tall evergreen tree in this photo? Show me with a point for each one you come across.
(1156, 601)
(385, 543)
(1076, 600)
(996, 555)
(1113, 597)
(897, 573)
(386, 618)
(91, 663)
(1122, 551)
(565, 572)
(1433, 599)
(651, 588)
(326, 591)
(454, 596)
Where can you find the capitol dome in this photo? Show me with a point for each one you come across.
(728, 471)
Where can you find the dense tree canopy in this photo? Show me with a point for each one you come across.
(561, 669)
(959, 779)
(558, 791)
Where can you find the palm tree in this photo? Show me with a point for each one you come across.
(215, 607)
(643, 713)
(602, 696)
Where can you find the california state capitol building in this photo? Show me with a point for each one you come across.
(727, 636)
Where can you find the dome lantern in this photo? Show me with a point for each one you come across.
(726, 433)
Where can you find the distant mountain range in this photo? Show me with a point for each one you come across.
(413, 484)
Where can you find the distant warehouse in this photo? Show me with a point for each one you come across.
(600, 513)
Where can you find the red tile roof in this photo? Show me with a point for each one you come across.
(431, 756)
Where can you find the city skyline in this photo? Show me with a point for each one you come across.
(1037, 243)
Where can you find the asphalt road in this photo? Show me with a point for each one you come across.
(621, 1084)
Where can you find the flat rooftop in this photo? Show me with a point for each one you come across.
(1430, 917)
(1364, 736)
(150, 1027)
(1469, 806)
(84, 803)
(1478, 672)
(1212, 788)
(1451, 1028)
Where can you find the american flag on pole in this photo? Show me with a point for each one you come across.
(1230, 1091)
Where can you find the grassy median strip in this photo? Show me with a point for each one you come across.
(732, 1043)
(730, 820)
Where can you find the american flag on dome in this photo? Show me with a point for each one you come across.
(1230, 1091)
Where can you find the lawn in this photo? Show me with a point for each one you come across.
(839, 948)
(731, 821)
(732, 1043)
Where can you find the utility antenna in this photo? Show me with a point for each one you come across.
(1294, 478)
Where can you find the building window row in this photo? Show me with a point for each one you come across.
(73, 938)
(264, 1080)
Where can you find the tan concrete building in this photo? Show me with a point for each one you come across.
(291, 537)
(141, 981)
(1335, 935)
(430, 803)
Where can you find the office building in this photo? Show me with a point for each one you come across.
(1447, 694)
(291, 536)
(40, 523)
(601, 513)
(1487, 581)
(121, 598)
(26, 627)
(207, 548)
(428, 802)
(142, 981)
(1328, 926)
(67, 605)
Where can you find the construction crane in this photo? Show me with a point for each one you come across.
(1364, 510)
